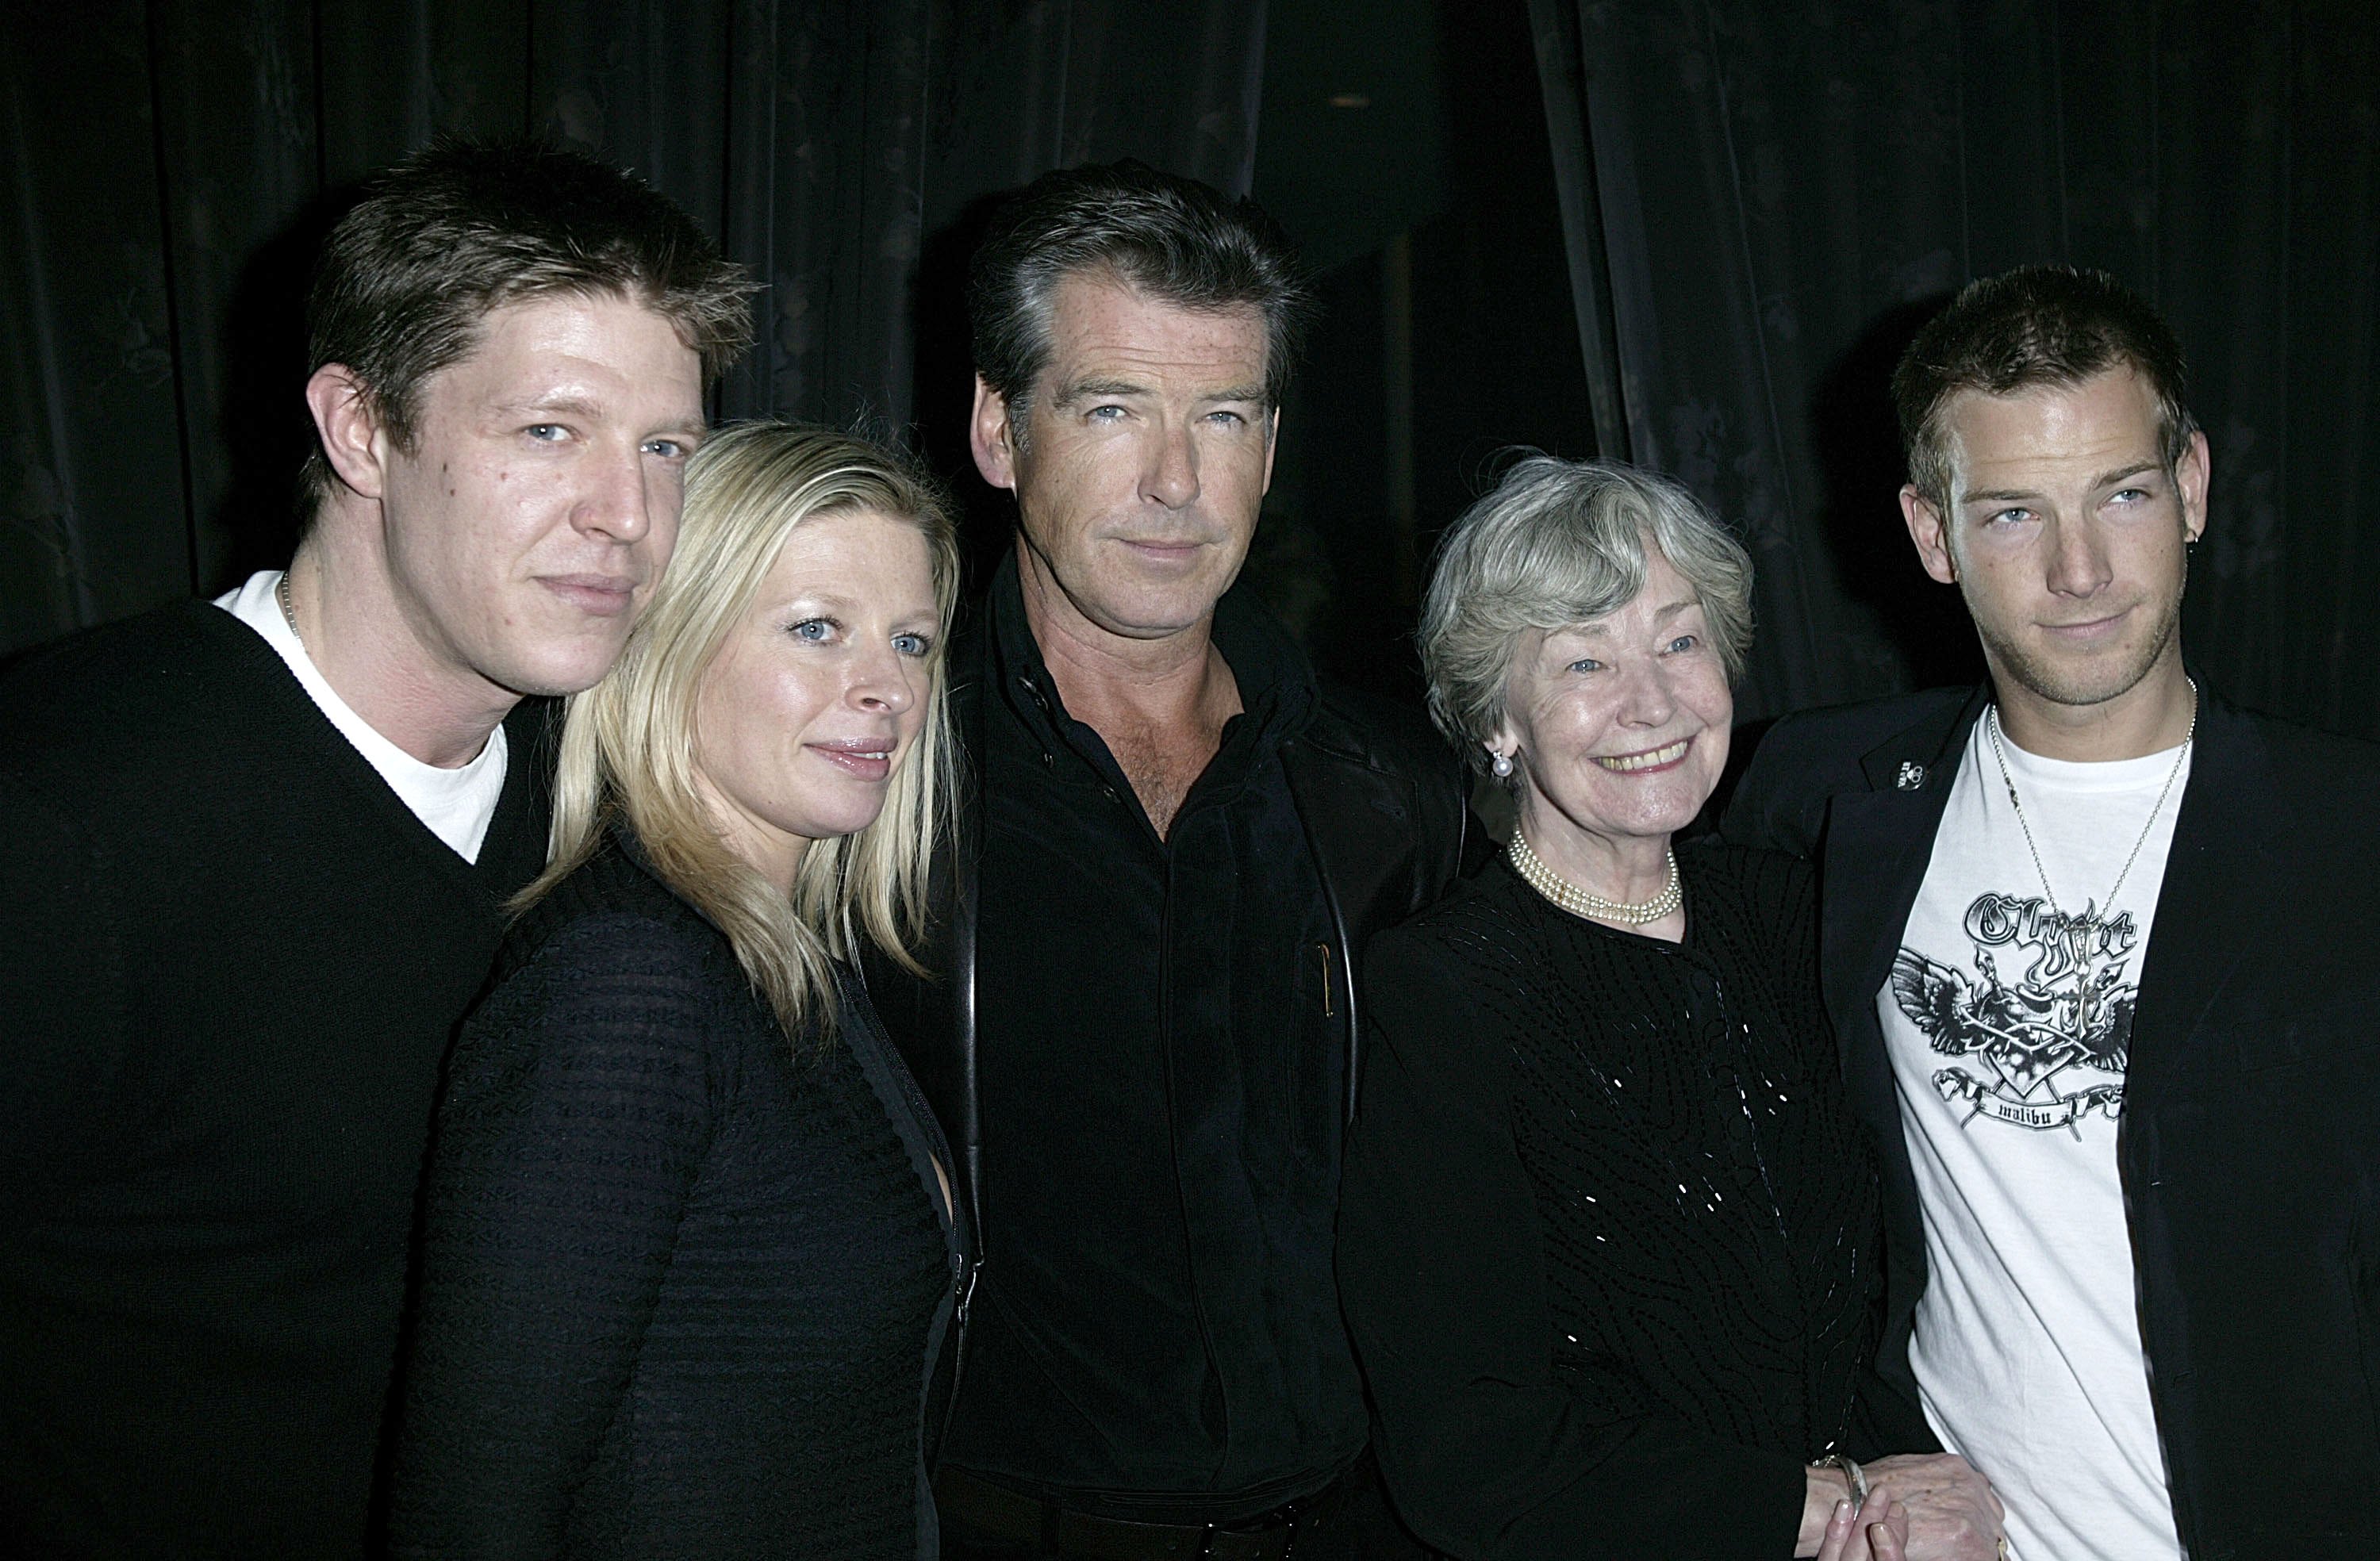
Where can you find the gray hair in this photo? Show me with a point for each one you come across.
(1557, 544)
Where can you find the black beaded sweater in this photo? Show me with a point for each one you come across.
(1608, 1235)
(683, 1279)
(231, 963)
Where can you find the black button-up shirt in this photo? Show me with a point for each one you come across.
(1157, 1330)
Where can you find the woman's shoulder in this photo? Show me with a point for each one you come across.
(1762, 882)
(611, 903)
(1486, 904)
(609, 976)
(611, 946)
(1489, 931)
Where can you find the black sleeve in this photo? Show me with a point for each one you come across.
(1489, 1447)
(1776, 805)
(578, 1114)
(62, 989)
(1885, 1420)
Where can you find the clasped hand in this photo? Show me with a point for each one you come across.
(1921, 1507)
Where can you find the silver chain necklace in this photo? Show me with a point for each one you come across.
(2009, 780)
(1581, 902)
(288, 613)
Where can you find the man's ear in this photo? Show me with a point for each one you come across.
(2191, 475)
(990, 437)
(1926, 529)
(348, 421)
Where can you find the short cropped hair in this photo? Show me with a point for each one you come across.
(1561, 543)
(1173, 238)
(2036, 325)
(463, 227)
(628, 748)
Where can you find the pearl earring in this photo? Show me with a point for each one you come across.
(1502, 765)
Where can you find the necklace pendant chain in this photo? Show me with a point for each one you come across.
(288, 612)
(1578, 901)
(2107, 906)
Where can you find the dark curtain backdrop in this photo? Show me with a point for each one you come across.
(1763, 200)
(170, 166)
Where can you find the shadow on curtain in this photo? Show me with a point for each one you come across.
(170, 166)
(1763, 202)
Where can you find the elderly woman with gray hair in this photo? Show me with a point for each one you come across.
(1610, 1234)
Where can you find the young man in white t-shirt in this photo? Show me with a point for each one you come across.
(260, 851)
(2097, 950)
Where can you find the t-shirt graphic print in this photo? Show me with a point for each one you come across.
(2008, 1017)
(2038, 1035)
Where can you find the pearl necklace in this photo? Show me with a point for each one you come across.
(1580, 903)
(2108, 905)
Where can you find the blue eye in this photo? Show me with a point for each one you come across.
(547, 433)
(1586, 664)
(816, 630)
(1684, 642)
(912, 645)
(668, 449)
(1105, 413)
(2009, 516)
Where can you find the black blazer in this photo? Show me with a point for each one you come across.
(2249, 1143)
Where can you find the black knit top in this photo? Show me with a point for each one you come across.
(1608, 1233)
(682, 1280)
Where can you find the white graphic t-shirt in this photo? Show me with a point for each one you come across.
(2009, 1024)
(455, 804)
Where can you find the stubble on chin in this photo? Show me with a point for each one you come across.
(2083, 681)
(560, 664)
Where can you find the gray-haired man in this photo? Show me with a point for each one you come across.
(1145, 1033)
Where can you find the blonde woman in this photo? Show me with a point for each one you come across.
(688, 1247)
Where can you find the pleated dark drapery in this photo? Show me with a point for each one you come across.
(1763, 200)
(170, 168)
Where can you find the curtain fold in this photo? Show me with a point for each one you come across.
(169, 167)
(1772, 197)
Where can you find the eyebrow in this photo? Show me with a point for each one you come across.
(1080, 391)
(1083, 389)
(2113, 478)
(1599, 627)
(2019, 495)
(826, 604)
(579, 405)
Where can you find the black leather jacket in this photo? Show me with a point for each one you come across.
(1384, 809)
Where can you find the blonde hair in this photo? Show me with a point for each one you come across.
(627, 751)
(1559, 543)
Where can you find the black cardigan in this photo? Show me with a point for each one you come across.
(1608, 1237)
(683, 1279)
